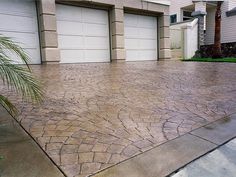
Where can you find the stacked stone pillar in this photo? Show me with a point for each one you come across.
(48, 31)
(201, 35)
(200, 13)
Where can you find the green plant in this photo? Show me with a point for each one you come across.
(228, 60)
(17, 78)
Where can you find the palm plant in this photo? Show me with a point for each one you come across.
(17, 78)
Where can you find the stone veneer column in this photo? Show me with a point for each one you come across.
(201, 35)
(200, 13)
(164, 33)
(48, 31)
(117, 33)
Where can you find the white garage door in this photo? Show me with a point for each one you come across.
(83, 34)
(18, 20)
(140, 37)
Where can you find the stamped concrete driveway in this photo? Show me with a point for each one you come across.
(96, 115)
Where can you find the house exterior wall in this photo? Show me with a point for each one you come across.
(210, 26)
(200, 6)
(176, 5)
(231, 4)
(116, 8)
(228, 24)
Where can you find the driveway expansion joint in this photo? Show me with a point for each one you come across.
(203, 139)
(209, 152)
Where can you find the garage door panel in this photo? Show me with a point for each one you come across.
(22, 8)
(146, 54)
(146, 22)
(64, 27)
(19, 22)
(96, 56)
(137, 55)
(25, 40)
(96, 30)
(86, 38)
(141, 44)
(145, 33)
(75, 56)
(131, 20)
(132, 55)
(131, 32)
(96, 43)
(95, 16)
(32, 53)
(139, 33)
(131, 44)
(69, 13)
(148, 44)
(71, 56)
(70, 42)
(140, 37)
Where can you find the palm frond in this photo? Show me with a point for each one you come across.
(20, 79)
(17, 77)
(6, 43)
(8, 105)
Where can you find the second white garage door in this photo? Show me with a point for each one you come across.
(140, 37)
(83, 34)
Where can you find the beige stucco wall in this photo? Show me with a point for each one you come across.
(116, 8)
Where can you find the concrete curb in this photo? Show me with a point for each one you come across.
(21, 155)
(177, 153)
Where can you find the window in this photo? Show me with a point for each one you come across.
(187, 15)
(231, 12)
(173, 18)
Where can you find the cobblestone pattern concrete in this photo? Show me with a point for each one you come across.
(96, 115)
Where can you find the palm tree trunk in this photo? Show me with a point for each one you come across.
(217, 42)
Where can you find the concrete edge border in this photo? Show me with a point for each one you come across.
(183, 166)
(31, 137)
(189, 133)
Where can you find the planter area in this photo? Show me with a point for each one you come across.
(228, 50)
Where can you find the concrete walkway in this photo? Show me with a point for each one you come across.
(220, 162)
(20, 156)
(168, 157)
